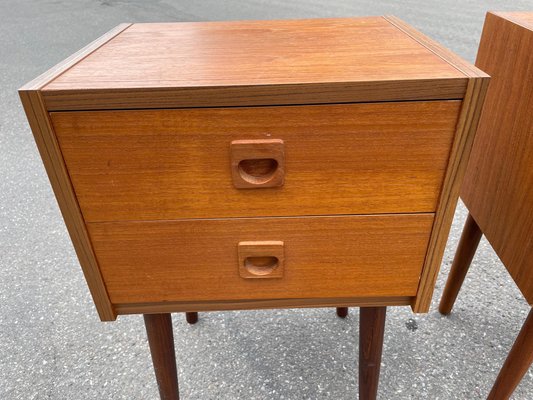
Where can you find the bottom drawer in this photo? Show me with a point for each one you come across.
(221, 259)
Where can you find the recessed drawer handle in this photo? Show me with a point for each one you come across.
(257, 163)
(261, 259)
(261, 265)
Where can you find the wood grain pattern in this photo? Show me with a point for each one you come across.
(436, 48)
(325, 257)
(464, 137)
(161, 342)
(162, 307)
(66, 198)
(254, 53)
(466, 128)
(255, 62)
(523, 18)
(42, 80)
(498, 188)
(38, 118)
(157, 164)
(371, 335)
(266, 95)
(461, 263)
(341, 159)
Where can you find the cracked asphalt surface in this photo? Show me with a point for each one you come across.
(52, 345)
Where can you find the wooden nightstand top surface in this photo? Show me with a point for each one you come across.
(309, 61)
(255, 53)
(523, 18)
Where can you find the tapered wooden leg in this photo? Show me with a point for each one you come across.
(463, 258)
(342, 312)
(191, 317)
(517, 363)
(161, 341)
(371, 331)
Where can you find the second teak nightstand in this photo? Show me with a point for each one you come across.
(258, 164)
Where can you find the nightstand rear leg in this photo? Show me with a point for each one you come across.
(342, 312)
(161, 341)
(191, 317)
(517, 363)
(371, 331)
(463, 258)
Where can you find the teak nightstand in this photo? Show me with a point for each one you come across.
(258, 164)
(498, 186)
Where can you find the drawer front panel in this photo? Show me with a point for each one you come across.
(337, 159)
(323, 257)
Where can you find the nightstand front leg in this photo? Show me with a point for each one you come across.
(371, 331)
(517, 363)
(161, 341)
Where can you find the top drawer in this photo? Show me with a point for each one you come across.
(338, 159)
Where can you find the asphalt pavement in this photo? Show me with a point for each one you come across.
(52, 344)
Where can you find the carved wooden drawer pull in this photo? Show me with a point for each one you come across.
(261, 259)
(257, 163)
